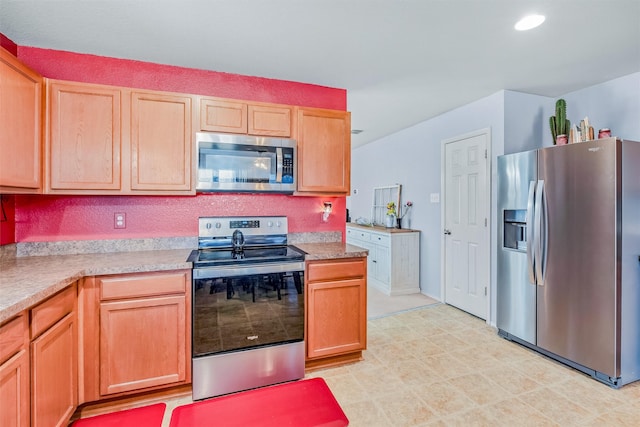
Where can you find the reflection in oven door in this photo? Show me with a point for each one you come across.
(245, 312)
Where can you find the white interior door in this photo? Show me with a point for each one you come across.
(466, 223)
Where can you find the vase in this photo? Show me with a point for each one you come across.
(390, 221)
(399, 223)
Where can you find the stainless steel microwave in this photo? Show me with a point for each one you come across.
(245, 163)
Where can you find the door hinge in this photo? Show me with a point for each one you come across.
(485, 222)
(485, 153)
(485, 291)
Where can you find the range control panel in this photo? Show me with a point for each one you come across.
(221, 227)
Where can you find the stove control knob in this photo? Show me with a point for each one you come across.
(218, 225)
(278, 224)
(269, 224)
(208, 226)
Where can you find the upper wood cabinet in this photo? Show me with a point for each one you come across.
(220, 115)
(83, 144)
(111, 140)
(161, 141)
(324, 151)
(20, 126)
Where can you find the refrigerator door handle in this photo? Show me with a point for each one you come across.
(544, 235)
(531, 235)
(537, 219)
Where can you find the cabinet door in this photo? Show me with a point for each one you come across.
(223, 116)
(336, 317)
(54, 373)
(324, 151)
(20, 126)
(383, 264)
(142, 343)
(84, 137)
(161, 142)
(269, 120)
(14, 391)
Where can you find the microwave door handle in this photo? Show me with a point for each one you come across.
(279, 164)
(531, 235)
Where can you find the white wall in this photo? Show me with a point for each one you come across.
(518, 122)
(614, 104)
(411, 157)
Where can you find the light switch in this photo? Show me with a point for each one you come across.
(435, 198)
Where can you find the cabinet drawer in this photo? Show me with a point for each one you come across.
(13, 337)
(380, 239)
(55, 308)
(358, 235)
(143, 285)
(336, 269)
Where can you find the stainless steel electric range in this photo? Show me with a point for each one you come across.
(248, 305)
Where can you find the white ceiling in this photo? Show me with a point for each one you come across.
(401, 61)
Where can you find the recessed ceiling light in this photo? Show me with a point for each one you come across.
(529, 22)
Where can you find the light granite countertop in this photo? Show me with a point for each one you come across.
(26, 281)
(380, 229)
(318, 251)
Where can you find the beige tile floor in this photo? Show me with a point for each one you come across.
(439, 366)
(379, 304)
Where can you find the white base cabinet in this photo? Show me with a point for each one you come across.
(393, 264)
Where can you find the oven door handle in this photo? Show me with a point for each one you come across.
(233, 271)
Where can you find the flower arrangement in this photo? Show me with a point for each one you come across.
(405, 209)
(391, 208)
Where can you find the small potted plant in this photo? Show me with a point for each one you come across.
(390, 220)
(559, 125)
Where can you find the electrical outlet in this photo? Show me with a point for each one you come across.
(119, 220)
(355, 191)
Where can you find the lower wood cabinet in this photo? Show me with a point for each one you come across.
(336, 311)
(54, 360)
(14, 372)
(136, 333)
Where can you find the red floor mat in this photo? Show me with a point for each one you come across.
(146, 416)
(305, 403)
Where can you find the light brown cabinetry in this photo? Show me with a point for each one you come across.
(324, 151)
(111, 140)
(229, 116)
(54, 360)
(83, 144)
(336, 311)
(14, 372)
(136, 333)
(20, 126)
(161, 142)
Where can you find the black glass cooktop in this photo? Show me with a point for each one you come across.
(213, 257)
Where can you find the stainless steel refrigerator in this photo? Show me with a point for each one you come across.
(568, 266)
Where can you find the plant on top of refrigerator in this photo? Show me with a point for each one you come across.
(559, 124)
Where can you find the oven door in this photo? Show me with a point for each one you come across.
(240, 308)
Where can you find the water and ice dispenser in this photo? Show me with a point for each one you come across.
(515, 229)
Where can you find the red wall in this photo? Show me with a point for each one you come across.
(50, 218)
(45, 218)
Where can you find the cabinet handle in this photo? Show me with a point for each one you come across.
(447, 232)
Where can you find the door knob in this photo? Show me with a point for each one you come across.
(447, 232)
